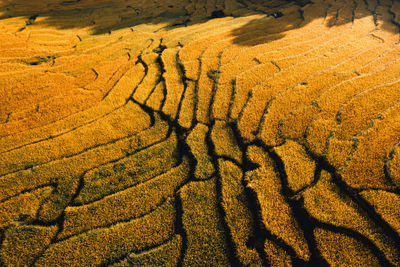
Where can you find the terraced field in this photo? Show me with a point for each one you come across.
(199, 133)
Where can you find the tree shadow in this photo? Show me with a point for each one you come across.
(279, 16)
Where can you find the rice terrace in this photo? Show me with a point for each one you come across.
(199, 133)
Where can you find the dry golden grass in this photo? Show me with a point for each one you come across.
(294, 125)
(69, 170)
(197, 37)
(299, 167)
(128, 171)
(150, 81)
(198, 146)
(198, 133)
(115, 99)
(238, 216)
(209, 76)
(338, 151)
(167, 254)
(205, 85)
(156, 98)
(336, 247)
(24, 206)
(386, 204)
(246, 81)
(393, 165)
(186, 112)
(327, 203)
(59, 198)
(115, 126)
(224, 141)
(276, 255)
(296, 75)
(364, 107)
(206, 244)
(356, 116)
(366, 167)
(268, 90)
(294, 100)
(107, 244)
(23, 243)
(317, 134)
(47, 67)
(276, 214)
(125, 205)
(331, 101)
(173, 82)
(37, 176)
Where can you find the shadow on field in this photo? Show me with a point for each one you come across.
(103, 16)
(303, 12)
(100, 16)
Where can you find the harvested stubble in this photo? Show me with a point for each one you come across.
(208, 133)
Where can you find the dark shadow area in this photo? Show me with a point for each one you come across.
(279, 16)
(101, 17)
(333, 14)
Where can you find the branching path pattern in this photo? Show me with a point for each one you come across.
(200, 133)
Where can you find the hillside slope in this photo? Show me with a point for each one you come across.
(199, 133)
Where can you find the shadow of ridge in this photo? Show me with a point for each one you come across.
(264, 30)
(101, 18)
(104, 16)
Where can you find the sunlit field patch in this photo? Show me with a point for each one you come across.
(199, 133)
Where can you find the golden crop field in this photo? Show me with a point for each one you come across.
(199, 133)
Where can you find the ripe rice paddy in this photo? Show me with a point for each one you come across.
(199, 133)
